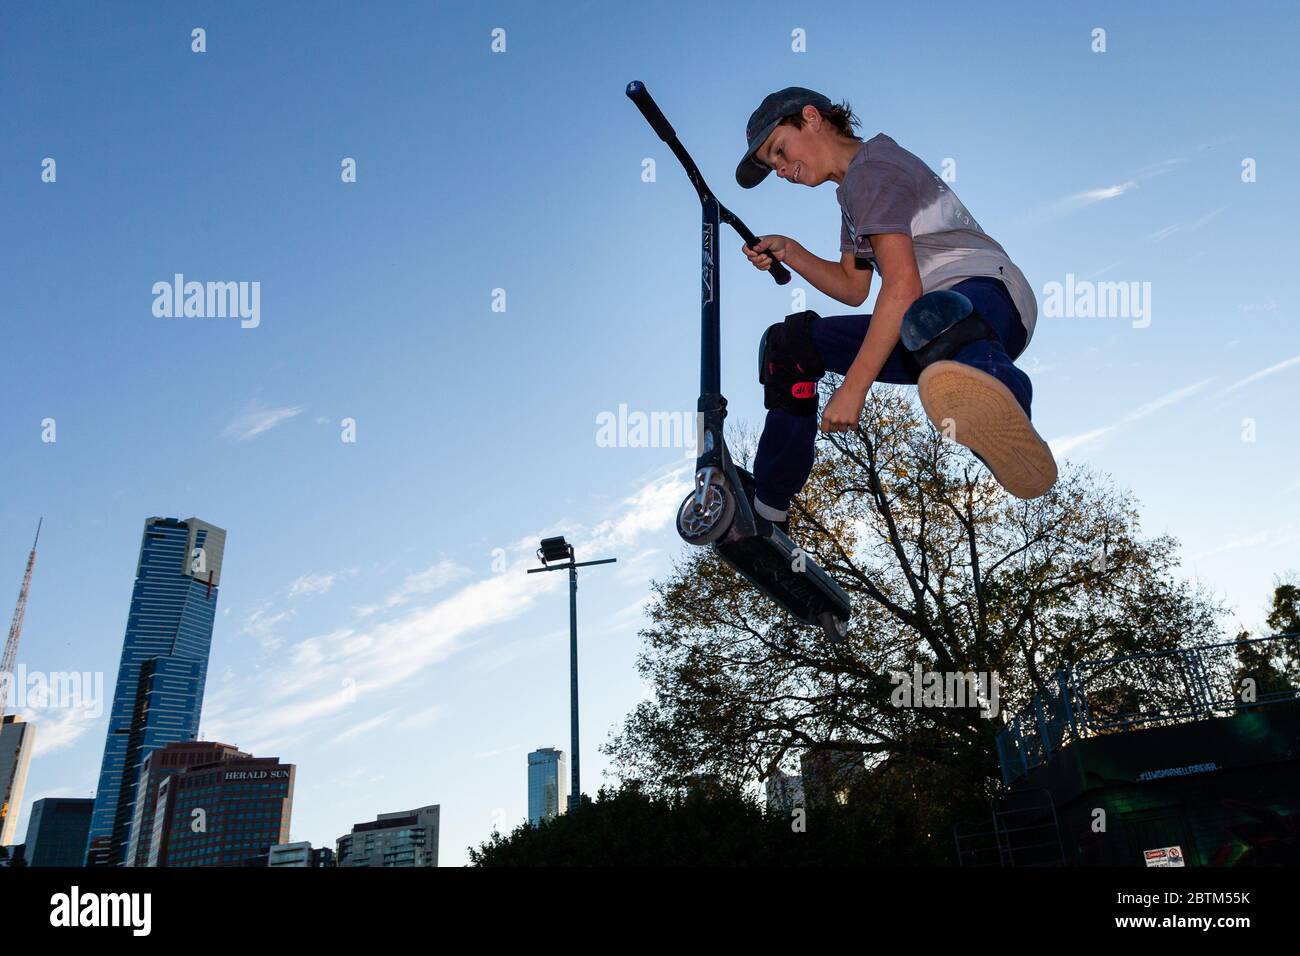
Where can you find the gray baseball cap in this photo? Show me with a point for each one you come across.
(770, 112)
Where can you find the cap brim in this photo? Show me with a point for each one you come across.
(750, 172)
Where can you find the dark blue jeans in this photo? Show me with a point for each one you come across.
(784, 458)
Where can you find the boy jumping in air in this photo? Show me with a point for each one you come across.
(953, 312)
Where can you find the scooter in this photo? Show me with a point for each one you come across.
(719, 512)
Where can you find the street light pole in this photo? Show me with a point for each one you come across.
(557, 549)
(574, 786)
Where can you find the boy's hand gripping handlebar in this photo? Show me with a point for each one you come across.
(639, 95)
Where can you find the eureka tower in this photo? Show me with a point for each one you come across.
(164, 666)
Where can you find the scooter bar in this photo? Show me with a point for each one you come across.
(639, 95)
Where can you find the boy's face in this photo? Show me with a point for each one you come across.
(797, 154)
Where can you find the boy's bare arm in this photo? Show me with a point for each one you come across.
(902, 287)
(848, 281)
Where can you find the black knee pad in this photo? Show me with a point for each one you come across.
(940, 324)
(789, 366)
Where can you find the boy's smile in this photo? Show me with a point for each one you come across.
(786, 152)
(809, 156)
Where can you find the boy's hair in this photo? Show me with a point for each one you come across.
(840, 117)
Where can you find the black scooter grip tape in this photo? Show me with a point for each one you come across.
(639, 95)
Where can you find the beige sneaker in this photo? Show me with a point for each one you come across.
(978, 411)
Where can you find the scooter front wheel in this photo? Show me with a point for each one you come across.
(700, 526)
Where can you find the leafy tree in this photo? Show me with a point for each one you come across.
(946, 571)
(1284, 613)
(710, 825)
(1273, 665)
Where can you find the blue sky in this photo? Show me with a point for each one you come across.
(376, 626)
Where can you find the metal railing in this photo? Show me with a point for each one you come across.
(1156, 688)
(1025, 831)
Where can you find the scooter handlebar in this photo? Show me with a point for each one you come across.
(639, 95)
(779, 272)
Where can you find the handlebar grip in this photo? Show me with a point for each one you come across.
(780, 274)
(639, 95)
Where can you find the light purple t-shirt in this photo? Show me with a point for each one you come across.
(887, 189)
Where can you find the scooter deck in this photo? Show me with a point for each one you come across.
(770, 562)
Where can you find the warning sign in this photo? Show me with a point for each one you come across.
(1165, 856)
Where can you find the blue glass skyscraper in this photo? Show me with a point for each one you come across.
(548, 784)
(164, 667)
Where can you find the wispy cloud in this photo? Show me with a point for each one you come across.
(365, 726)
(1056, 209)
(431, 579)
(1263, 373)
(329, 675)
(651, 508)
(633, 568)
(352, 670)
(1168, 231)
(57, 727)
(1266, 539)
(630, 617)
(312, 584)
(263, 622)
(1067, 443)
(1161, 167)
(422, 718)
(1099, 194)
(257, 420)
(1091, 197)
(1102, 271)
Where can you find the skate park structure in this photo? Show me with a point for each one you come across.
(1182, 757)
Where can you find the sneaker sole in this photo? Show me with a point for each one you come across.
(987, 419)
